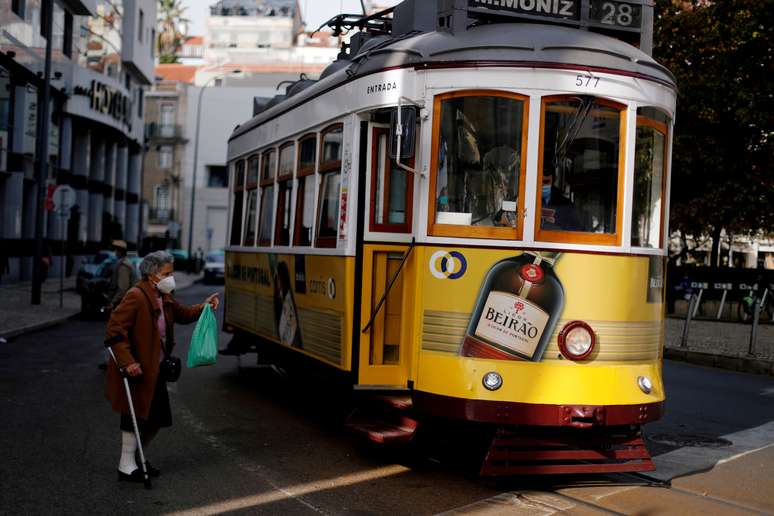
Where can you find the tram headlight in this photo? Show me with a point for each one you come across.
(576, 340)
(492, 381)
(645, 384)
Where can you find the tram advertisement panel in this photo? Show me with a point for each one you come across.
(513, 306)
(294, 300)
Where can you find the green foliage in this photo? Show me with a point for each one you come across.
(721, 53)
(170, 38)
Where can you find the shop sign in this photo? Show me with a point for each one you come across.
(108, 100)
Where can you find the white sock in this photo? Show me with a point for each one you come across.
(128, 448)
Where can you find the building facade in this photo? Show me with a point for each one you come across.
(166, 137)
(102, 62)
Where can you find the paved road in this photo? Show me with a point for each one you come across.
(247, 442)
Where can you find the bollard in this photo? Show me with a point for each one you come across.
(688, 316)
(754, 329)
(698, 302)
(722, 304)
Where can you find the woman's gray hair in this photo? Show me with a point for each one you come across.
(153, 262)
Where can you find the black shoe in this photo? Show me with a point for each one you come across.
(153, 472)
(135, 476)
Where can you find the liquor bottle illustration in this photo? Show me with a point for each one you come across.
(285, 313)
(517, 309)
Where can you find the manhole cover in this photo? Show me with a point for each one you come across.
(681, 440)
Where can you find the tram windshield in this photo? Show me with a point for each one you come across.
(479, 161)
(580, 167)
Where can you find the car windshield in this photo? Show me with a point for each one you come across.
(215, 257)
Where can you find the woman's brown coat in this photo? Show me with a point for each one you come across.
(133, 336)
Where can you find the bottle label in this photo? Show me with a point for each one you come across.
(512, 322)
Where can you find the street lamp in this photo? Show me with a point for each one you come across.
(196, 158)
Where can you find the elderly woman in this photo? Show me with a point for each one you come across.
(139, 326)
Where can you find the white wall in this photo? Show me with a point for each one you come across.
(222, 110)
(137, 52)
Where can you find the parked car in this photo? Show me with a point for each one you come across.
(94, 292)
(181, 257)
(89, 268)
(215, 267)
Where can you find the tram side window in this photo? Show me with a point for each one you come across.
(479, 166)
(236, 214)
(307, 158)
(266, 222)
(391, 188)
(251, 187)
(650, 158)
(580, 170)
(284, 191)
(330, 186)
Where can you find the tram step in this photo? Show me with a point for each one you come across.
(525, 453)
(384, 420)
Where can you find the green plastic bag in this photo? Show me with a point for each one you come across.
(204, 342)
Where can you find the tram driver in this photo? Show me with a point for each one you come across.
(558, 212)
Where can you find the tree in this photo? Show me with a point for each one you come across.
(170, 37)
(721, 54)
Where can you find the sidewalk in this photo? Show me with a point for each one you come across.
(18, 316)
(721, 344)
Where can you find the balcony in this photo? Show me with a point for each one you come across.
(161, 215)
(155, 131)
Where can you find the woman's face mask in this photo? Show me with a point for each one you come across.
(166, 285)
(546, 193)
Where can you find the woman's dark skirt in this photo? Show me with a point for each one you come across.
(160, 414)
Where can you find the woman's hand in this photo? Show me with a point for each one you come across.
(133, 369)
(213, 300)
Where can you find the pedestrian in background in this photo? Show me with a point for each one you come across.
(123, 277)
(138, 328)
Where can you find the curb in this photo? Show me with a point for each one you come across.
(741, 364)
(24, 330)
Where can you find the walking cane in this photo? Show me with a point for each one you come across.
(146, 476)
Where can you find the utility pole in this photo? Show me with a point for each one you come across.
(41, 163)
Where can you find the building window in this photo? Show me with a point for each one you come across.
(167, 120)
(5, 116)
(161, 200)
(45, 12)
(19, 7)
(165, 157)
(141, 26)
(217, 176)
(67, 44)
(140, 102)
(99, 48)
(153, 43)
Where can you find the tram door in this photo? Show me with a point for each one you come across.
(388, 279)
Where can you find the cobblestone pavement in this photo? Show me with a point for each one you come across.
(721, 338)
(18, 315)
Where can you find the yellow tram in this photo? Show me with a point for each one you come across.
(469, 210)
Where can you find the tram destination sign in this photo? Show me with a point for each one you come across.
(609, 14)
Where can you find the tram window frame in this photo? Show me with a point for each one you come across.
(583, 237)
(237, 192)
(267, 196)
(282, 235)
(251, 181)
(646, 120)
(327, 169)
(471, 231)
(387, 167)
(304, 176)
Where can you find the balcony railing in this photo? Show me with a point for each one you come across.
(158, 131)
(160, 215)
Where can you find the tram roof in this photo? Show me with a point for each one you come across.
(507, 44)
